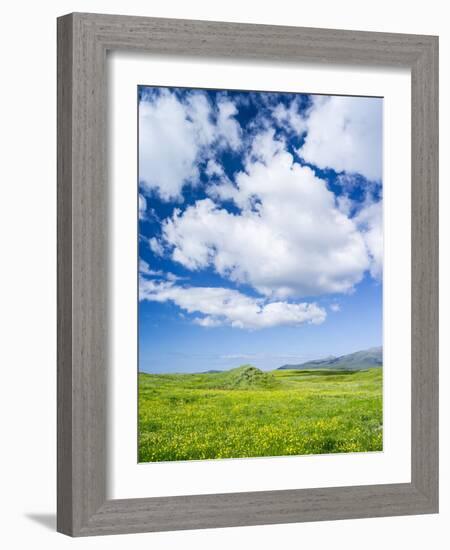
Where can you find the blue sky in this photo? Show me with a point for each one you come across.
(260, 228)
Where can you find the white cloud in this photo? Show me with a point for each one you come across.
(144, 268)
(291, 236)
(142, 206)
(290, 239)
(344, 204)
(155, 246)
(172, 277)
(219, 186)
(197, 111)
(175, 136)
(265, 146)
(290, 116)
(167, 146)
(228, 129)
(207, 322)
(370, 221)
(345, 134)
(213, 168)
(224, 306)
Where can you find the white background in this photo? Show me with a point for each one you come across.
(127, 479)
(28, 300)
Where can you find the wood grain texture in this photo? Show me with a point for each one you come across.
(83, 41)
(82, 261)
(64, 275)
(424, 276)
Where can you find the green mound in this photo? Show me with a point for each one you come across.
(246, 377)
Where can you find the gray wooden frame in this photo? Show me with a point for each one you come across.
(83, 41)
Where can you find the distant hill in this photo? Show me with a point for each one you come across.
(359, 360)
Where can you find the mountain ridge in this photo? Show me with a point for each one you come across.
(358, 360)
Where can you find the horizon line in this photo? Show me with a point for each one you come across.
(294, 365)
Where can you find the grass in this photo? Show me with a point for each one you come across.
(245, 412)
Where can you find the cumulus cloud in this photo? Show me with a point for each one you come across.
(345, 134)
(275, 225)
(290, 116)
(224, 306)
(228, 130)
(219, 185)
(370, 221)
(289, 239)
(175, 135)
(265, 146)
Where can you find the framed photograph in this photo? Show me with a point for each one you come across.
(247, 274)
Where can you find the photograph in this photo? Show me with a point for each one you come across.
(260, 233)
(229, 334)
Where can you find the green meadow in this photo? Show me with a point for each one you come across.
(245, 412)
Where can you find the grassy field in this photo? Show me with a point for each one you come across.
(245, 412)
